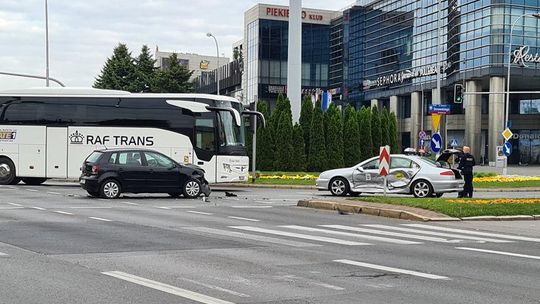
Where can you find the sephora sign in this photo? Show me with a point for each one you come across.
(522, 56)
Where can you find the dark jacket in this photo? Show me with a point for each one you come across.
(466, 163)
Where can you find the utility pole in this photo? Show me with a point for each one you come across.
(47, 43)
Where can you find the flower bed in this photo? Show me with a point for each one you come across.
(504, 179)
(497, 201)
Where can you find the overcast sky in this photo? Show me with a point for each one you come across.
(83, 33)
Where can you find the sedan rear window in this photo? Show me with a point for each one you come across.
(94, 157)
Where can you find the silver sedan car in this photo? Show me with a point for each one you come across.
(409, 174)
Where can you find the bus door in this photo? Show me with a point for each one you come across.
(205, 149)
(57, 147)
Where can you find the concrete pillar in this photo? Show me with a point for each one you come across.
(393, 104)
(473, 118)
(496, 117)
(375, 102)
(294, 62)
(416, 115)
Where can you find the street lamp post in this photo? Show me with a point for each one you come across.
(47, 43)
(217, 52)
(507, 106)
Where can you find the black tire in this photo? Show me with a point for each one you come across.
(338, 186)
(192, 188)
(354, 194)
(438, 194)
(15, 181)
(421, 189)
(175, 195)
(7, 172)
(110, 189)
(33, 181)
(93, 194)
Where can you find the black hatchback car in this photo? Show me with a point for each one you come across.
(108, 173)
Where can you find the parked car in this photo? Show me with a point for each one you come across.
(109, 172)
(409, 174)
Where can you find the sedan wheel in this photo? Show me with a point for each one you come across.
(192, 188)
(110, 189)
(422, 189)
(339, 187)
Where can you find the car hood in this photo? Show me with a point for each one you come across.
(334, 172)
(194, 167)
(446, 154)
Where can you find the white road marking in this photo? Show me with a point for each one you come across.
(329, 286)
(10, 208)
(89, 207)
(129, 203)
(300, 236)
(166, 288)
(199, 212)
(253, 237)
(456, 236)
(31, 190)
(63, 212)
(369, 237)
(55, 193)
(243, 218)
(100, 219)
(497, 235)
(251, 207)
(389, 233)
(3, 254)
(501, 253)
(16, 205)
(214, 287)
(38, 208)
(392, 269)
(166, 208)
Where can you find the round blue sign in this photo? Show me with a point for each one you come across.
(436, 142)
(507, 149)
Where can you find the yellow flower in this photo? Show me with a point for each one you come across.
(502, 179)
(496, 201)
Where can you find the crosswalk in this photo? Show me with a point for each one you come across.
(361, 235)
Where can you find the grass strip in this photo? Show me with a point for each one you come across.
(462, 209)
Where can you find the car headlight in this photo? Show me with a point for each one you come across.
(227, 168)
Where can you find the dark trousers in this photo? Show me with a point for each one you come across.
(468, 188)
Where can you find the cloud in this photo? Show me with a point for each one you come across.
(82, 34)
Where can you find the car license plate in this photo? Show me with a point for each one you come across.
(82, 181)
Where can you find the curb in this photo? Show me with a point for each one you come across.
(345, 208)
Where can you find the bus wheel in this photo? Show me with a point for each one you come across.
(34, 181)
(7, 172)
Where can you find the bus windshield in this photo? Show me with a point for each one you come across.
(229, 132)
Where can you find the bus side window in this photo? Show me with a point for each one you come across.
(204, 134)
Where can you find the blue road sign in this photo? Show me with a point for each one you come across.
(436, 142)
(453, 143)
(507, 149)
(439, 109)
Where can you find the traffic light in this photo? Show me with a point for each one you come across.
(458, 93)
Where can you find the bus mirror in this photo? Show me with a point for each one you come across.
(255, 113)
(233, 112)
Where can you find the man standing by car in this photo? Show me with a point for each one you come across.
(466, 164)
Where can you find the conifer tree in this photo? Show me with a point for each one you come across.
(364, 125)
(351, 138)
(317, 146)
(118, 73)
(265, 145)
(385, 134)
(334, 138)
(393, 133)
(145, 71)
(174, 79)
(284, 139)
(299, 154)
(306, 113)
(376, 133)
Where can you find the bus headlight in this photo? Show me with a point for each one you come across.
(227, 168)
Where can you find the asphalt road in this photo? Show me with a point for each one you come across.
(59, 246)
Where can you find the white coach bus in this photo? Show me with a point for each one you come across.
(48, 132)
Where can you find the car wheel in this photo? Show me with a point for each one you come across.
(355, 194)
(7, 172)
(34, 181)
(339, 186)
(192, 188)
(93, 194)
(175, 195)
(110, 189)
(422, 188)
